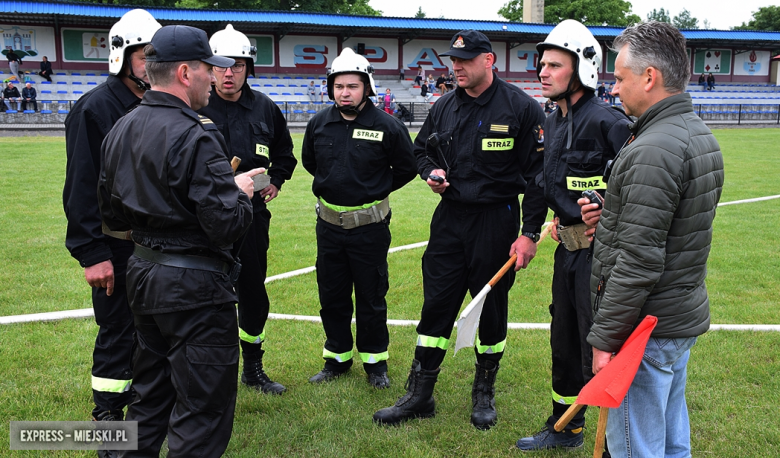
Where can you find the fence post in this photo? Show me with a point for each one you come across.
(739, 115)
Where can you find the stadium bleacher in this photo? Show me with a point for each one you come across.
(728, 102)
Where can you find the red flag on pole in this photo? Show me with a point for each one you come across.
(610, 385)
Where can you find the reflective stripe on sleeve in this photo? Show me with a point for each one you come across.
(109, 385)
(433, 342)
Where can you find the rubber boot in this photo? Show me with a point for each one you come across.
(255, 377)
(109, 416)
(483, 395)
(418, 401)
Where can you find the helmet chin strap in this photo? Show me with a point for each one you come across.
(142, 85)
(353, 109)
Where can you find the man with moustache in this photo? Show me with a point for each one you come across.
(165, 175)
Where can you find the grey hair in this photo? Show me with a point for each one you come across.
(659, 45)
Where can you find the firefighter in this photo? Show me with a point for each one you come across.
(165, 176)
(256, 132)
(103, 254)
(580, 138)
(358, 155)
(479, 148)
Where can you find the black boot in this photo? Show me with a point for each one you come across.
(108, 416)
(417, 402)
(483, 395)
(255, 377)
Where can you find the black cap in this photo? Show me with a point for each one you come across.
(468, 44)
(178, 43)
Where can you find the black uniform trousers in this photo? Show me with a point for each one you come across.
(353, 257)
(186, 371)
(112, 357)
(468, 245)
(571, 311)
(253, 304)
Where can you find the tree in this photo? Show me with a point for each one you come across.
(766, 18)
(356, 7)
(684, 20)
(659, 15)
(589, 12)
(420, 14)
(706, 24)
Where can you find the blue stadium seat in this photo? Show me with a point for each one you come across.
(62, 111)
(28, 111)
(11, 111)
(45, 111)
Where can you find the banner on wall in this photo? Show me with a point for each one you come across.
(382, 54)
(307, 52)
(265, 49)
(712, 61)
(425, 54)
(523, 58)
(29, 43)
(85, 45)
(753, 63)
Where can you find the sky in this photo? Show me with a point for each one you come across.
(720, 17)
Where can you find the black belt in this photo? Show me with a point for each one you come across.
(184, 261)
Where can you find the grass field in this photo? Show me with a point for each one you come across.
(733, 376)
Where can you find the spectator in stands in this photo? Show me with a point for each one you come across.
(313, 92)
(323, 90)
(389, 102)
(441, 83)
(431, 84)
(602, 92)
(11, 94)
(450, 83)
(420, 75)
(549, 106)
(13, 62)
(703, 82)
(711, 82)
(425, 92)
(45, 69)
(28, 96)
(610, 94)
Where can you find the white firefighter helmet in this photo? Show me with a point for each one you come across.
(349, 62)
(232, 43)
(136, 27)
(574, 37)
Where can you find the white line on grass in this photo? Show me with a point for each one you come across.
(85, 313)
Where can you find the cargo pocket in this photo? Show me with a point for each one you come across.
(213, 370)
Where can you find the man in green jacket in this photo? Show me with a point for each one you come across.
(653, 239)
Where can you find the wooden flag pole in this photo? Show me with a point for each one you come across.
(601, 431)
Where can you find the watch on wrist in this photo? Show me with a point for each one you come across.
(534, 236)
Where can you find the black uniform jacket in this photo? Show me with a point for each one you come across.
(255, 131)
(598, 133)
(357, 162)
(87, 124)
(493, 146)
(11, 92)
(166, 176)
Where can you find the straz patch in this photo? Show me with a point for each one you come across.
(497, 144)
(372, 135)
(583, 183)
(261, 150)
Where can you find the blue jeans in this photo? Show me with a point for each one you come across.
(652, 421)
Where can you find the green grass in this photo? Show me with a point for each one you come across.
(733, 383)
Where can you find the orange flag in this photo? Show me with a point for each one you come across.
(610, 385)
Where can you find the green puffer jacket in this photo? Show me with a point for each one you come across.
(653, 239)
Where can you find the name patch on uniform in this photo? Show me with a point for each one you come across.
(372, 135)
(497, 144)
(499, 128)
(583, 183)
(261, 150)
